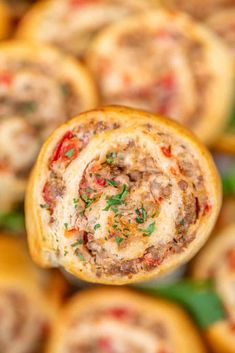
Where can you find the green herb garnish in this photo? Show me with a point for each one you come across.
(69, 153)
(141, 215)
(118, 239)
(78, 242)
(97, 226)
(117, 199)
(45, 206)
(112, 182)
(87, 200)
(110, 157)
(149, 230)
(66, 225)
(78, 254)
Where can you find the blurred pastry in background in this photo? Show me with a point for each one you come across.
(119, 195)
(17, 8)
(40, 88)
(217, 261)
(227, 214)
(5, 24)
(166, 63)
(29, 298)
(72, 24)
(198, 8)
(223, 23)
(120, 320)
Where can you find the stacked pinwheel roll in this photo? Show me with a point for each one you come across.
(166, 63)
(72, 24)
(114, 320)
(217, 262)
(29, 298)
(118, 195)
(39, 89)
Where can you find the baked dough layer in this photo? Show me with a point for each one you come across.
(29, 298)
(40, 88)
(68, 25)
(217, 261)
(119, 195)
(120, 320)
(167, 63)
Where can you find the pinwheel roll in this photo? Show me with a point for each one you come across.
(28, 303)
(199, 8)
(4, 20)
(165, 63)
(217, 261)
(68, 24)
(39, 89)
(223, 23)
(114, 320)
(119, 195)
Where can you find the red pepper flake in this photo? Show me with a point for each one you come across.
(166, 151)
(163, 34)
(5, 78)
(66, 149)
(167, 82)
(104, 344)
(47, 195)
(119, 313)
(78, 3)
(230, 256)
(100, 181)
(207, 209)
(150, 261)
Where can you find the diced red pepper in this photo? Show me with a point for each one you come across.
(47, 195)
(119, 313)
(104, 344)
(167, 82)
(5, 78)
(67, 143)
(101, 181)
(166, 151)
(207, 208)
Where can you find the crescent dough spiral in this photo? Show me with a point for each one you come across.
(198, 8)
(68, 24)
(28, 304)
(217, 261)
(39, 89)
(120, 320)
(119, 195)
(166, 63)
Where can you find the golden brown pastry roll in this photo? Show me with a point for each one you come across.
(217, 261)
(29, 298)
(120, 320)
(198, 8)
(166, 63)
(39, 89)
(223, 23)
(119, 195)
(4, 20)
(72, 24)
